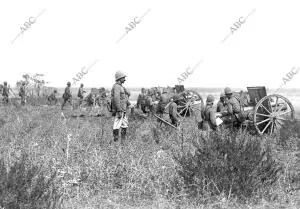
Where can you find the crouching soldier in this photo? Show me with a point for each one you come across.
(52, 98)
(209, 116)
(234, 109)
(5, 93)
(67, 96)
(173, 110)
(119, 102)
(221, 105)
(22, 93)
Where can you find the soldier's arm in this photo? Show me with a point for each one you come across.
(116, 98)
(229, 108)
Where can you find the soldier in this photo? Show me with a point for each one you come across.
(141, 101)
(5, 92)
(80, 94)
(163, 101)
(234, 109)
(221, 105)
(101, 97)
(119, 101)
(22, 93)
(67, 96)
(52, 98)
(209, 116)
(173, 111)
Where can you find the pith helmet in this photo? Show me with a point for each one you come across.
(119, 75)
(222, 95)
(227, 90)
(210, 99)
(165, 90)
(69, 83)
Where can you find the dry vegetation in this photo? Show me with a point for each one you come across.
(51, 162)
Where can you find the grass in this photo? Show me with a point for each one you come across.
(93, 172)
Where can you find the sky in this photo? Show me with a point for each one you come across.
(167, 38)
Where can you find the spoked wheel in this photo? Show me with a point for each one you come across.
(271, 112)
(190, 103)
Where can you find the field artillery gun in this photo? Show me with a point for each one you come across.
(190, 104)
(267, 113)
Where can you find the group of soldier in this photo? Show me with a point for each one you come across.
(5, 91)
(228, 107)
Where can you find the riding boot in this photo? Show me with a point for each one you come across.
(116, 134)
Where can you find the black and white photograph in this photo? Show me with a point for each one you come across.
(149, 104)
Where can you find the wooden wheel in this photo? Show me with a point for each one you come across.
(190, 103)
(271, 112)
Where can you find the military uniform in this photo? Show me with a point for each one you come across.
(209, 118)
(22, 94)
(173, 111)
(163, 101)
(234, 109)
(141, 101)
(221, 106)
(80, 94)
(5, 93)
(119, 103)
(52, 98)
(67, 96)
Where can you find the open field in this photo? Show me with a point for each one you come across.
(93, 172)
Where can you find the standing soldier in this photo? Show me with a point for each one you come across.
(22, 93)
(221, 105)
(67, 96)
(163, 101)
(119, 101)
(80, 94)
(173, 110)
(52, 98)
(5, 92)
(141, 101)
(234, 109)
(209, 115)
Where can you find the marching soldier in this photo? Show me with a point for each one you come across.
(119, 97)
(221, 105)
(52, 98)
(173, 111)
(80, 94)
(234, 108)
(22, 93)
(67, 96)
(141, 101)
(5, 92)
(209, 116)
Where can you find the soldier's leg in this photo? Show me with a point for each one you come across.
(124, 127)
(116, 134)
(22, 100)
(116, 127)
(63, 104)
